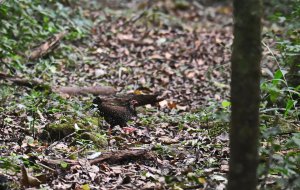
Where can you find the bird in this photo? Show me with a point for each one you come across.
(119, 109)
(116, 113)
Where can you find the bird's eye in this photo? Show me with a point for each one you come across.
(134, 102)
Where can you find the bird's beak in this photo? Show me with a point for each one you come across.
(94, 107)
(134, 102)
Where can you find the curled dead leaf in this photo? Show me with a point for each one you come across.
(125, 36)
(163, 103)
(225, 168)
(137, 92)
(182, 108)
(28, 180)
(168, 140)
(172, 105)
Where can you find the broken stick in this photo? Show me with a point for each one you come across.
(111, 157)
(46, 47)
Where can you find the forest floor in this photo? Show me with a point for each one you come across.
(180, 51)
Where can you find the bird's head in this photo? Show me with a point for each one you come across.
(97, 100)
(133, 103)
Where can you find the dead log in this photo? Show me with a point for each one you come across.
(95, 90)
(40, 85)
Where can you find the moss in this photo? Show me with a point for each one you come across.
(58, 131)
(182, 5)
(65, 126)
(99, 140)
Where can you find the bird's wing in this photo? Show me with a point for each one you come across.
(116, 111)
(145, 99)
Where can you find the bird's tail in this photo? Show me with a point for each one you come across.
(146, 99)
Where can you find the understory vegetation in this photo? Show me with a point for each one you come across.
(49, 133)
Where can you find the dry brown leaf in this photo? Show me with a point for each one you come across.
(125, 36)
(138, 92)
(27, 180)
(168, 55)
(156, 56)
(225, 10)
(163, 103)
(172, 105)
(182, 108)
(167, 140)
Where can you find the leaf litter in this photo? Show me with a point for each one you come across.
(178, 53)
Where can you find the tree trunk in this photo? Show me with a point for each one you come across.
(245, 95)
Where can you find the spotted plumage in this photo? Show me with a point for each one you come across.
(116, 113)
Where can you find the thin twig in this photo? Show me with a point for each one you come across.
(136, 18)
(76, 152)
(46, 167)
(56, 142)
(132, 20)
(272, 109)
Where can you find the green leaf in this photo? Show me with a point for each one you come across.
(274, 94)
(278, 75)
(64, 164)
(289, 105)
(226, 104)
(85, 187)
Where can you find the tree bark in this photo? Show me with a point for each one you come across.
(245, 95)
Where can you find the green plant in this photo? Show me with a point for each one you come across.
(25, 24)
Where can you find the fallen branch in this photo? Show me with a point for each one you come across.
(46, 47)
(133, 19)
(117, 156)
(95, 90)
(40, 85)
(111, 157)
(22, 81)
